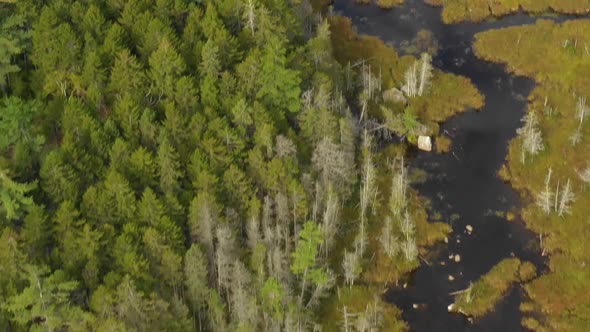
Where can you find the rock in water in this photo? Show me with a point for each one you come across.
(425, 143)
(457, 258)
(469, 228)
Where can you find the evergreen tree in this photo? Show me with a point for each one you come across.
(13, 197)
(13, 41)
(196, 281)
(45, 302)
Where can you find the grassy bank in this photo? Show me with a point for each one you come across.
(558, 58)
(455, 11)
(482, 296)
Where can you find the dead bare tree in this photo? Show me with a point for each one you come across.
(532, 140)
(411, 81)
(545, 197)
(368, 191)
(351, 265)
(399, 184)
(408, 245)
(418, 76)
(389, 242)
(567, 198)
(250, 15)
(425, 73)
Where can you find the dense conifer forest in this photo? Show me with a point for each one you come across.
(241, 165)
(160, 168)
(174, 165)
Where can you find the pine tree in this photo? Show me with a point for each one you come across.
(305, 257)
(279, 85)
(36, 232)
(127, 113)
(272, 297)
(16, 123)
(13, 272)
(166, 68)
(14, 199)
(320, 47)
(143, 169)
(169, 167)
(166, 264)
(13, 40)
(203, 220)
(196, 281)
(58, 178)
(128, 77)
(45, 302)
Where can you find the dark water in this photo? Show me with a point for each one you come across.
(463, 182)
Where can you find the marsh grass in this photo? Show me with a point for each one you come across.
(485, 293)
(385, 4)
(557, 56)
(455, 11)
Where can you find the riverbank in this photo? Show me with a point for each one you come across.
(449, 95)
(455, 11)
(557, 56)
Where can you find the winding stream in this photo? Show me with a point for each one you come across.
(464, 181)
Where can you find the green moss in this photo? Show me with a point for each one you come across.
(485, 293)
(455, 11)
(556, 56)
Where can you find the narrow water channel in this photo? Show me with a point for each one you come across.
(463, 184)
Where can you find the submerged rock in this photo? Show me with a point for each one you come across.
(457, 258)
